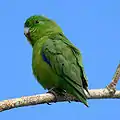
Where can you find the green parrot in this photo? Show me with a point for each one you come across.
(56, 62)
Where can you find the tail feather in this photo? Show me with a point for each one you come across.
(77, 91)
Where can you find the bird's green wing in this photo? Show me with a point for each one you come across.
(65, 61)
(79, 60)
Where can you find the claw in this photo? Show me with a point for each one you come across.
(52, 91)
(56, 93)
(49, 104)
(69, 101)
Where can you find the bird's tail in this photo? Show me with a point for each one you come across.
(77, 91)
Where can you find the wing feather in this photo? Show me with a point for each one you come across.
(64, 60)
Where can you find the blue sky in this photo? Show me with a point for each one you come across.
(93, 26)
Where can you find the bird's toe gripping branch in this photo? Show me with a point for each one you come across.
(58, 94)
(52, 91)
(112, 86)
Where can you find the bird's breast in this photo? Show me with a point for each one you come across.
(42, 70)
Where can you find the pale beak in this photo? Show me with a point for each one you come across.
(26, 30)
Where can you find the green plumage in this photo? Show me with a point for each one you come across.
(56, 62)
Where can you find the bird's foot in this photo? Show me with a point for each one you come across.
(54, 92)
(57, 93)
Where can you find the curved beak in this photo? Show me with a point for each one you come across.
(26, 30)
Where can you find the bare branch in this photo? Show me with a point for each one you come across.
(50, 98)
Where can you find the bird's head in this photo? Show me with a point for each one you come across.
(38, 26)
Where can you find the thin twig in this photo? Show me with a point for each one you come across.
(112, 86)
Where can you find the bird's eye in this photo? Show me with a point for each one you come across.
(36, 21)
